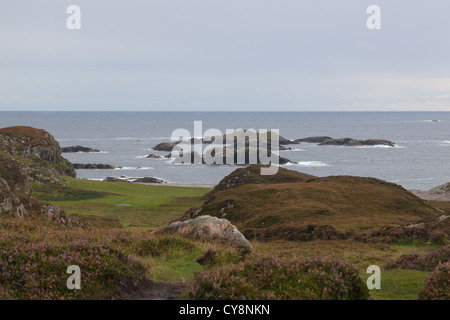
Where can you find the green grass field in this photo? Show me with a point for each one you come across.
(133, 206)
(141, 208)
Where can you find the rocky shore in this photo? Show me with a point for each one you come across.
(439, 193)
(329, 141)
(93, 166)
(78, 148)
(144, 180)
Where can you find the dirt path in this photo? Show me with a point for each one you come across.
(149, 290)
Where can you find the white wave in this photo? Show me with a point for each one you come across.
(134, 168)
(89, 152)
(93, 179)
(293, 149)
(380, 146)
(142, 138)
(309, 164)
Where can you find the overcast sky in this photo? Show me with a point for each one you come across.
(225, 55)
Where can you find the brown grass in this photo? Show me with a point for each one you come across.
(345, 203)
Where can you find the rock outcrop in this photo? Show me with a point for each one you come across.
(78, 149)
(329, 141)
(209, 228)
(37, 151)
(135, 180)
(318, 139)
(148, 180)
(353, 142)
(443, 189)
(439, 193)
(29, 155)
(165, 146)
(253, 142)
(93, 166)
(154, 156)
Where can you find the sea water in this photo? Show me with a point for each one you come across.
(419, 160)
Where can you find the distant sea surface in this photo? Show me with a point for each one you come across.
(420, 160)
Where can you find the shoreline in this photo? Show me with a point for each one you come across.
(422, 194)
(166, 184)
(187, 185)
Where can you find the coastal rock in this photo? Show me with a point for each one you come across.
(93, 166)
(329, 141)
(439, 193)
(154, 156)
(78, 149)
(209, 228)
(195, 158)
(148, 180)
(165, 146)
(443, 189)
(37, 151)
(318, 139)
(135, 180)
(242, 135)
(30, 155)
(112, 179)
(354, 142)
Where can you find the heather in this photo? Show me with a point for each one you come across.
(426, 262)
(437, 284)
(272, 278)
(34, 258)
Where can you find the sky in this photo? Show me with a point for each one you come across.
(225, 55)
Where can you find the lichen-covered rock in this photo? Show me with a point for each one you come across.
(53, 213)
(208, 228)
(38, 152)
(30, 155)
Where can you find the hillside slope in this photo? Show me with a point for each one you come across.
(294, 205)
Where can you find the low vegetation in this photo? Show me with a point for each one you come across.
(313, 238)
(271, 278)
(437, 284)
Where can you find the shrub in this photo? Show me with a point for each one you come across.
(156, 247)
(262, 279)
(207, 258)
(35, 255)
(424, 263)
(37, 270)
(437, 284)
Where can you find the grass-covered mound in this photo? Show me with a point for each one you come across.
(298, 279)
(252, 175)
(295, 206)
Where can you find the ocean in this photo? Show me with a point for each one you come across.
(420, 159)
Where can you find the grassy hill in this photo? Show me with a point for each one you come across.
(290, 201)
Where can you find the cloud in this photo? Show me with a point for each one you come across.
(224, 55)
